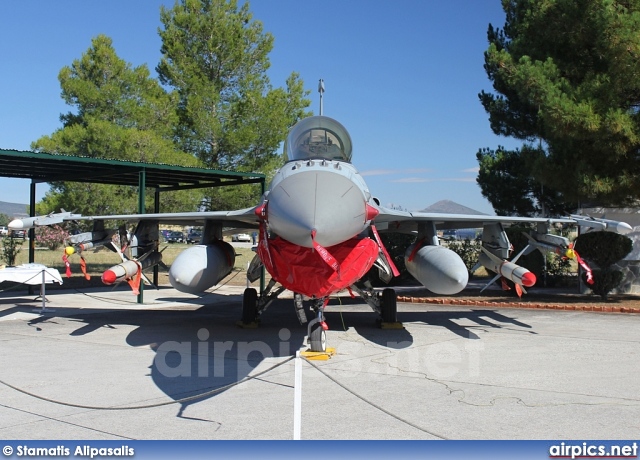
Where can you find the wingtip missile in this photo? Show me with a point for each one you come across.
(607, 225)
(49, 219)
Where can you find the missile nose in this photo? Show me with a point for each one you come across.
(623, 228)
(109, 277)
(528, 279)
(16, 224)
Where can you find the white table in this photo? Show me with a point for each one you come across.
(32, 274)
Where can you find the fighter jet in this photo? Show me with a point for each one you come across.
(319, 233)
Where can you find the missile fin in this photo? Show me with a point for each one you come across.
(493, 280)
(491, 256)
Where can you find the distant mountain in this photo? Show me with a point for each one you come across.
(13, 209)
(451, 207)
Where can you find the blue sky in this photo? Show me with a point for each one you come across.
(403, 76)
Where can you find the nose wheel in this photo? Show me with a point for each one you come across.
(317, 338)
(317, 328)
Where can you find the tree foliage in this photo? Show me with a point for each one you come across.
(505, 181)
(120, 113)
(216, 57)
(565, 72)
(221, 111)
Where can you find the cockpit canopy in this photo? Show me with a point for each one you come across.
(318, 137)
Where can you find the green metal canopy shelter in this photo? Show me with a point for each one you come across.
(47, 167)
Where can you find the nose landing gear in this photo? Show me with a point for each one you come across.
(317, 328)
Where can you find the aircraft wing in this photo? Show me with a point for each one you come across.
(241, 218)
(403, 221)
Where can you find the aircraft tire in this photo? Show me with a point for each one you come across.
(249, 305)
(389, 306)
(317, 338)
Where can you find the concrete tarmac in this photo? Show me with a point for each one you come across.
(452, 372)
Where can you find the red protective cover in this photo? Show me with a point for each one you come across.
(303, 270)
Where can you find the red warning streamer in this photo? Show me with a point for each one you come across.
(394, 270)
(324, 253)
(586, 268)
(65, 259)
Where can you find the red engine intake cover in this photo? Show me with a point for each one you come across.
(302, 270)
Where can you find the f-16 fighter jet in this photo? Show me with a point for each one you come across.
(319, 231)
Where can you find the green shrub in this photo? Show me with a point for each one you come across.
(558, 270)
(10, 248)
(604, 281)
(603, 249)
(468, 250)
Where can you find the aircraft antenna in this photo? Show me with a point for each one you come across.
(321, 91)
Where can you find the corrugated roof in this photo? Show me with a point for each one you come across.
(48, 167)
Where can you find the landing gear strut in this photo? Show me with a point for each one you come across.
(386, 304)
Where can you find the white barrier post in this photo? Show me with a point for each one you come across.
(297, 398)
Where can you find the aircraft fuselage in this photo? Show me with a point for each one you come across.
(326, 198)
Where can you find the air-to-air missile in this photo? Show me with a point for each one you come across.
(131, 270)
(49, 219)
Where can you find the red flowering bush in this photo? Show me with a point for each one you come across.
(51, 237)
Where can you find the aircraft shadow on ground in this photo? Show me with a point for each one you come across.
(198, 351)
(366, 324)
(480, 319)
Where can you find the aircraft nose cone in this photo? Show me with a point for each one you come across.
(323, 201)
(16, 224)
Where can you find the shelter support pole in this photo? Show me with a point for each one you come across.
(142, 180)
(32, 230)
(156, 209)
(262, 271)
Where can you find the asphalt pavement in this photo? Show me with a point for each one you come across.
(98, 366)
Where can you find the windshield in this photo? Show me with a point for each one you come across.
(318, 137)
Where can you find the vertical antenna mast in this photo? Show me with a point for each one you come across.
(321, 91)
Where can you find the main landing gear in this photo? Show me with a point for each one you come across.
(385, 304)
(253, 305)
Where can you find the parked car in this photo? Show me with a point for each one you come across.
(176, 237)
(194, 237)
(165, 234)
(4, 231)
(241, 237)
(18, 234)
